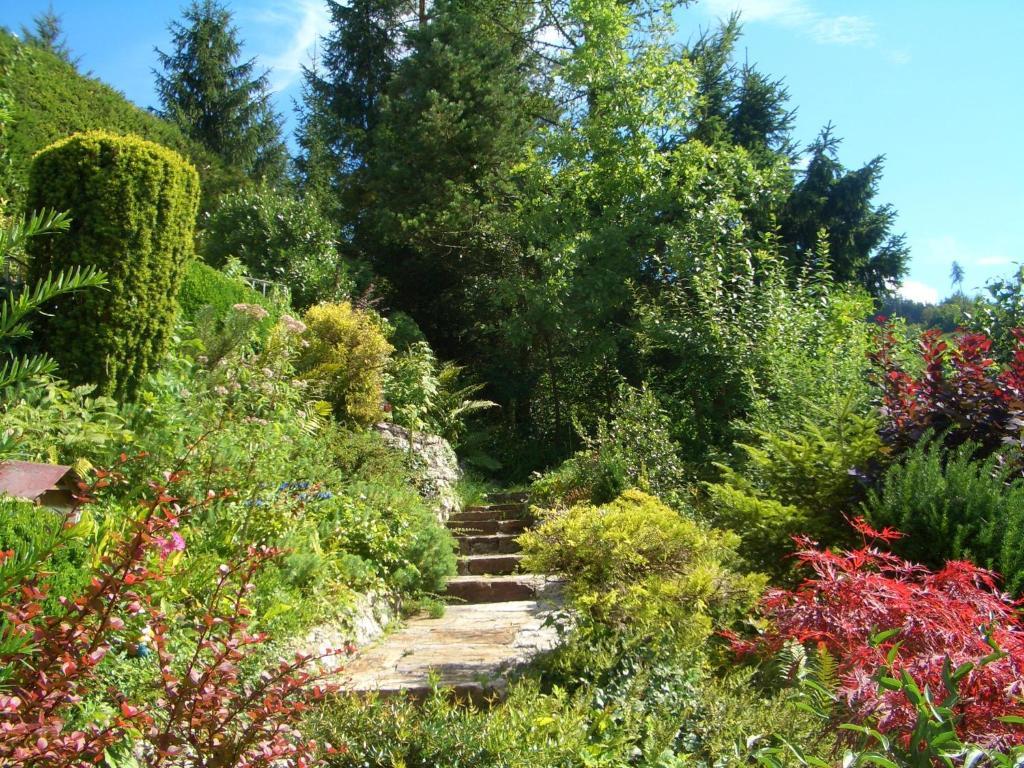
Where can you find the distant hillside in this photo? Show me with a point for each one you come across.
(52, 100)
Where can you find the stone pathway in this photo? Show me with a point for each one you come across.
(495, 624)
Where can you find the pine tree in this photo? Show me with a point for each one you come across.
(862, 247)
(216, 98)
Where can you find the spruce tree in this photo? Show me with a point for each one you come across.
(862, 246)
(215, 97)
(340, 109)
(457, 117)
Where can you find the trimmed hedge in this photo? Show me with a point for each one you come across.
(203, 286)
(133, 206)
(51, 100)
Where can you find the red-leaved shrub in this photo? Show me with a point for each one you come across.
(957, 613)
(961, 391)
(206, 713)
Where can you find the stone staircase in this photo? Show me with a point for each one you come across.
(496, 621)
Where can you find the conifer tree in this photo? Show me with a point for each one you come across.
(456, 119)
(215, 97)
(862, 246)
(47, 32)
(341, 105)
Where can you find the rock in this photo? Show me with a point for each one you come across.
(360, 625)
(440, 467)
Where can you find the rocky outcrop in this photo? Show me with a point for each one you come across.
(438, 465)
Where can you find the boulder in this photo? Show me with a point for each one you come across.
(437, 463)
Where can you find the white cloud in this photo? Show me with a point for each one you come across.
(801, 16)
(297, 26)
(919, 292)
(842, 30)
(993, 261)
(899, 57)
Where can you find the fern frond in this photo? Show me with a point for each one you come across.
(22, 369)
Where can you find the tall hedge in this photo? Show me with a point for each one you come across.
(133, 206)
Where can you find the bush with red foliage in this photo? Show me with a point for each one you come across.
(206, 714)
(961, 391)
(956, 614)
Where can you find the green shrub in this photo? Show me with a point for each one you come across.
(637, 562)
(390, 526)
(203, 286)
(133, 207)
(280, 238)
(954, 507)
(346, 356)
(797, 481)
(634, 450)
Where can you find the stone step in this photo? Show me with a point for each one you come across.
(489, 565)
(481, 527)
(498, 543)
(470, 649)
(511, 512)
(495, 589)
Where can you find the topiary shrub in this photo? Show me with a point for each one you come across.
(133, 207)
(346, 357)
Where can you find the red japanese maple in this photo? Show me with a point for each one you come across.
(957, 613)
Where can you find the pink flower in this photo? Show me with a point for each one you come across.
(169, 545)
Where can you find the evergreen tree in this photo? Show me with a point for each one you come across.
(738, 104)
(47, 32)
(456, 119)
(216, 98)
(862, 247)
(341, 107)
(956, 277)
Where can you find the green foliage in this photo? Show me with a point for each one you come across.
(346, 357)
(203, 286)
(54, 424)
(634, 450)
(795, 481)
(216, 98)
(33, 533)
(953, 507)
(279, 238)
(50, 101)
(133, 204)
(427, 396)
(828, 197)
(635, 561)
(47, 33)
(19, 304)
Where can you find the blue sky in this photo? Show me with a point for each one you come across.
(934, 85)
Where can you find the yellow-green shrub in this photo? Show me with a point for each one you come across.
(133, 208)
(346, 355)
(636, 562)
